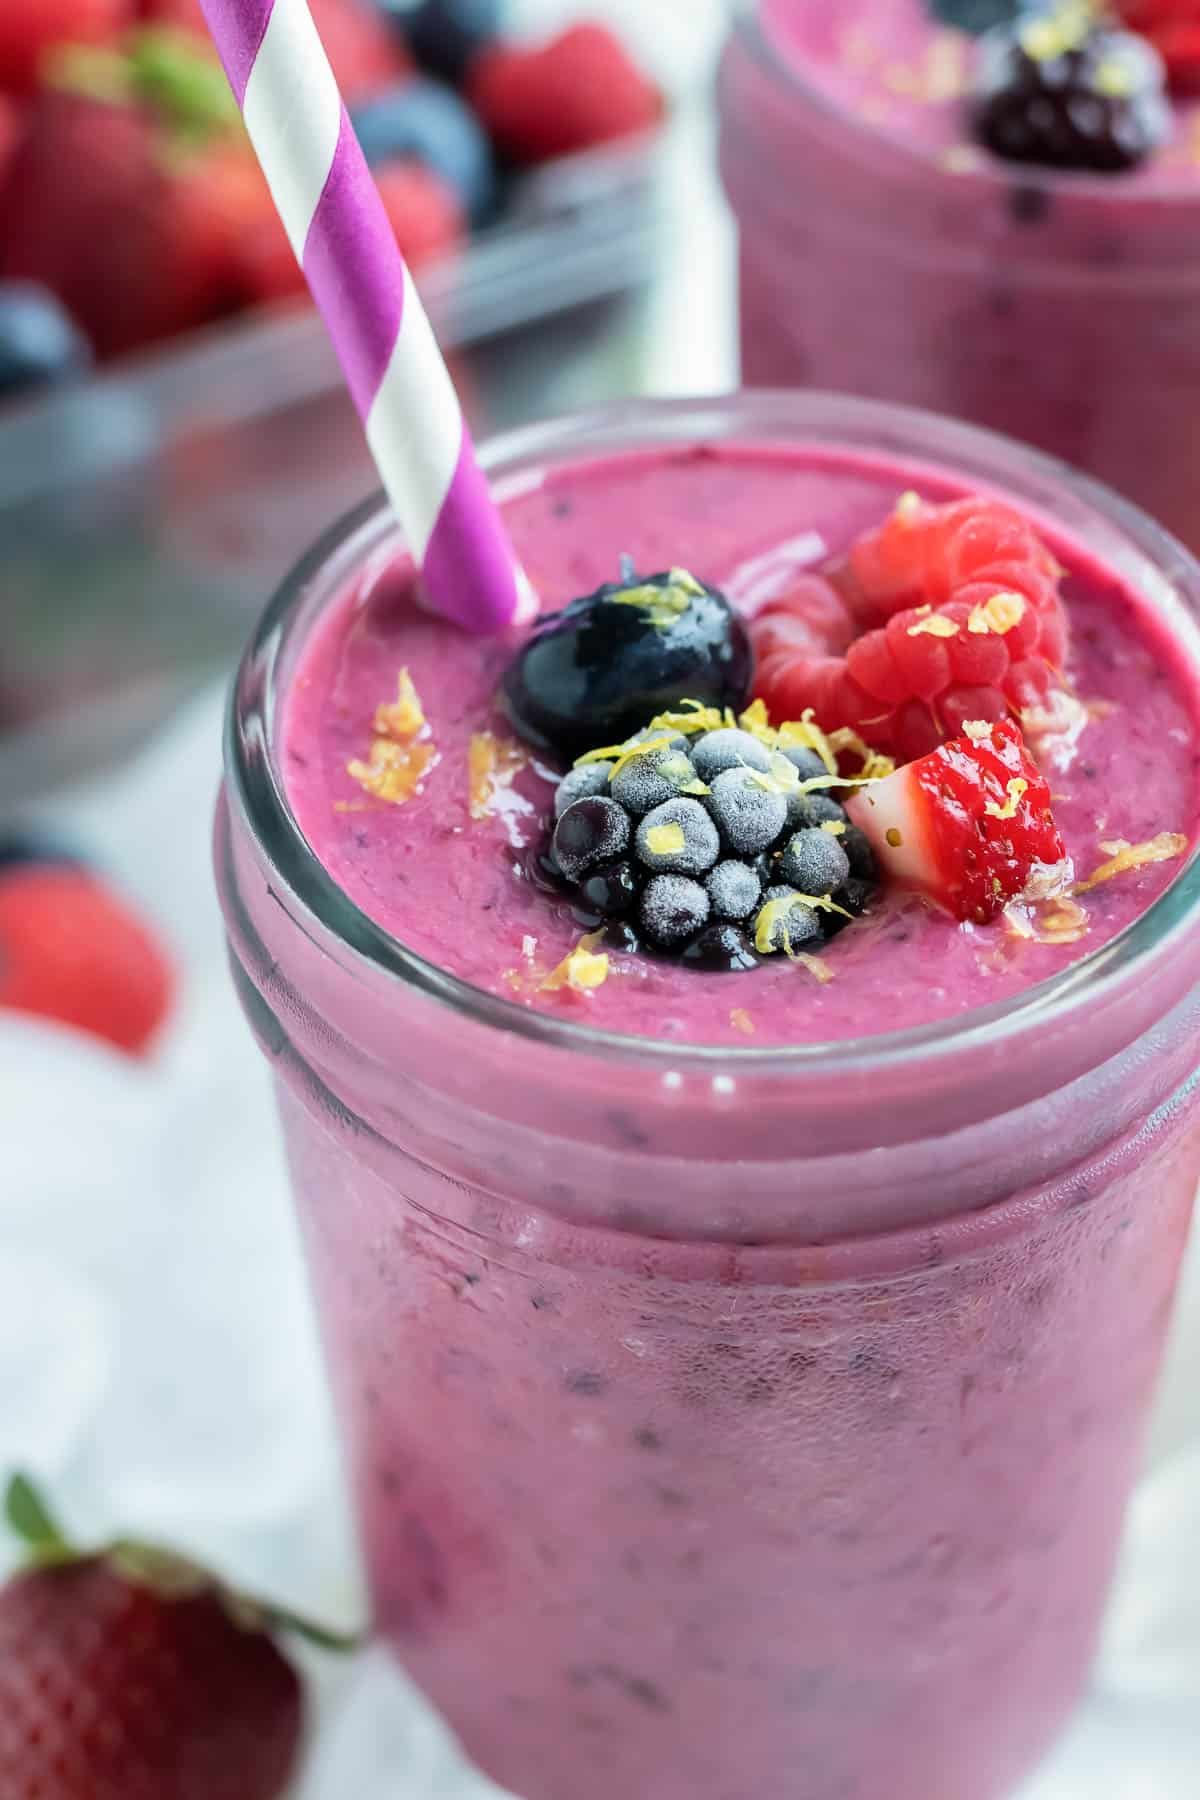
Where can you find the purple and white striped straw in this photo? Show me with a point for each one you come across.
(332, 212)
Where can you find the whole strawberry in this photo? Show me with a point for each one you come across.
(31, 29)
(130, 1675)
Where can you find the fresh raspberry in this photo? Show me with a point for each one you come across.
(126, 1676)
(69, 950)
(581, 88)
(966, 623)
(970, 825)
(30, 28)
(1173, 27)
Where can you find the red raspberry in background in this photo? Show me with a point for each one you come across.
(966, 623)
(28, 28)
(1173, 27)
(424, 211)
(70, 950)
(582, 88)
(969, 825)
(124, 1676)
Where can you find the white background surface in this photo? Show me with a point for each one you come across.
(157, 1360)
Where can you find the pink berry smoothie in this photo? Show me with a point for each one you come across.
(742, 1375)
(885, 252)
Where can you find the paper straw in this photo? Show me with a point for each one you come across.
(332, 212)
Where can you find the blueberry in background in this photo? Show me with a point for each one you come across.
(444, 35)
(978, 16)
(26, 849)
(427, 121)
(39, 342)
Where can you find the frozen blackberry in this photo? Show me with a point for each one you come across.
(678, 838)
(579, 784)
(721, 948)
(859, 854)
(673, 909)
(734, 889)
(590, 832)
(749, 810)
(786, 924)
(643, 782)
(1060, 91)
(635, 648)
(814, 862)
(613, 889)
(717, 751)
(853, 898)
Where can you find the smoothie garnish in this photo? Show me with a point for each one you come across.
(969, 826)
(1124, 857)
(741, 1021)
(1066, 90)
(582, 969)
(634, 648)
(493, 764)
(402, 751)
(715, 836)
(941, 614)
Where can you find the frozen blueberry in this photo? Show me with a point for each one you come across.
(673, 909)
(722, 948)
(786, 923)
(620, 935)
(429, 122)
(678, 838)
(749, 811)
(806, 762)
(596, 671)
(39, 344)
(589, 833)
(717, 751)
(733, 889)
(859, 853)
(814, 862)
(580, 784)
(778, 890)
(445, 35)
(613, 889)
(646, 781)
(977, 16)
(812, 809)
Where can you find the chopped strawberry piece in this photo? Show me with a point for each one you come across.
(969, 825)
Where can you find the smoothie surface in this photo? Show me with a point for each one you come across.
(903, 72)
(447, 871)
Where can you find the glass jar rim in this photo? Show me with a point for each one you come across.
(257, 789)
(1083, 186)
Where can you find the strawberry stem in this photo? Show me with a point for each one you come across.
(31, 1519)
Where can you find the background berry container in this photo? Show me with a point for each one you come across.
(144, 513)
(728, 1423)
(1059, 307)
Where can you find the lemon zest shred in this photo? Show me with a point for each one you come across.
(835, 827)
(665, 840)
(404, 717)
(741, 1021)
(933, 626)
(1163, 848)
(581, 969)
(1016, 790)
(816, 965)
(493, 763)
(998, 615)
(395, 771)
